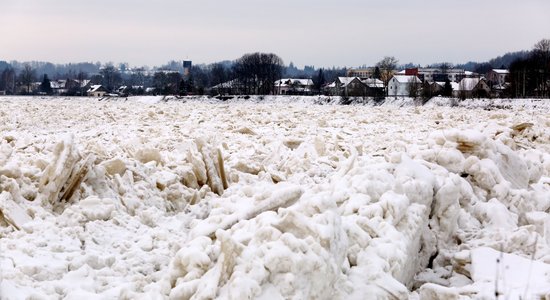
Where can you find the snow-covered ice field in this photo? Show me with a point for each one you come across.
(196, 199)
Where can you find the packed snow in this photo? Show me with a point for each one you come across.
(274, 198)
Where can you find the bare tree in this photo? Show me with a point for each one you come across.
(138, 77)
(160, 81)
(541, 53)
(413, 87)
(387, 65)
(445, 67)
(174, 81)
(7, 81)
(81, 77)
(543, 46)
(27, 76)
(257, 72)
(111, 77)
(218, 74)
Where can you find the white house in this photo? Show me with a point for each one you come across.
(97, 91)
(472, 87)
(401, 85)
(293, 86)
(498, 76)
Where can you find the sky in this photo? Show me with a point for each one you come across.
(320, 33)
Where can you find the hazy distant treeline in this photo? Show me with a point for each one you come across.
(529, 74)
(70, 70)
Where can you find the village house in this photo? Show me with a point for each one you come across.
(497, 77)
(328, 88)
(150, 91)
(69, 86)
(499, 82)
(349, 87)
(374, 87)
(293, 86)
(472, 87)
(433, 88)
(58, 86)
(404, 85)
(125, 90)
(97, 91)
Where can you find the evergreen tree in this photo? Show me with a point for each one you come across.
(190, 85)
(376, 74)
(45, 86)
(447, 89)
(319, 80)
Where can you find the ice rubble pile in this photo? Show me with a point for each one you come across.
(54, 183)
(375, 225)
(69, 215)
(299, 218)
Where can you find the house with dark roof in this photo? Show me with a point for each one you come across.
(350, 87)
(374, 87)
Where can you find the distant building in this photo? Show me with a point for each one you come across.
(355, 87)
(498, 77)
(499, 82)
(125, 90)
(58, 86)
(361, 73)
(69, 86)
(350, 86)
(472, 87)
(438, 74)
(434, 88)
(400, 85)
(293, 86)
(97, 91)
(374, 87)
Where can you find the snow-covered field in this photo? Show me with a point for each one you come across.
(147, 199)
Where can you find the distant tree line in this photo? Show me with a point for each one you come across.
(530, 75)
(257, 73)
(499, 62)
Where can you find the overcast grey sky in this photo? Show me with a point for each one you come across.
(320, 33)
